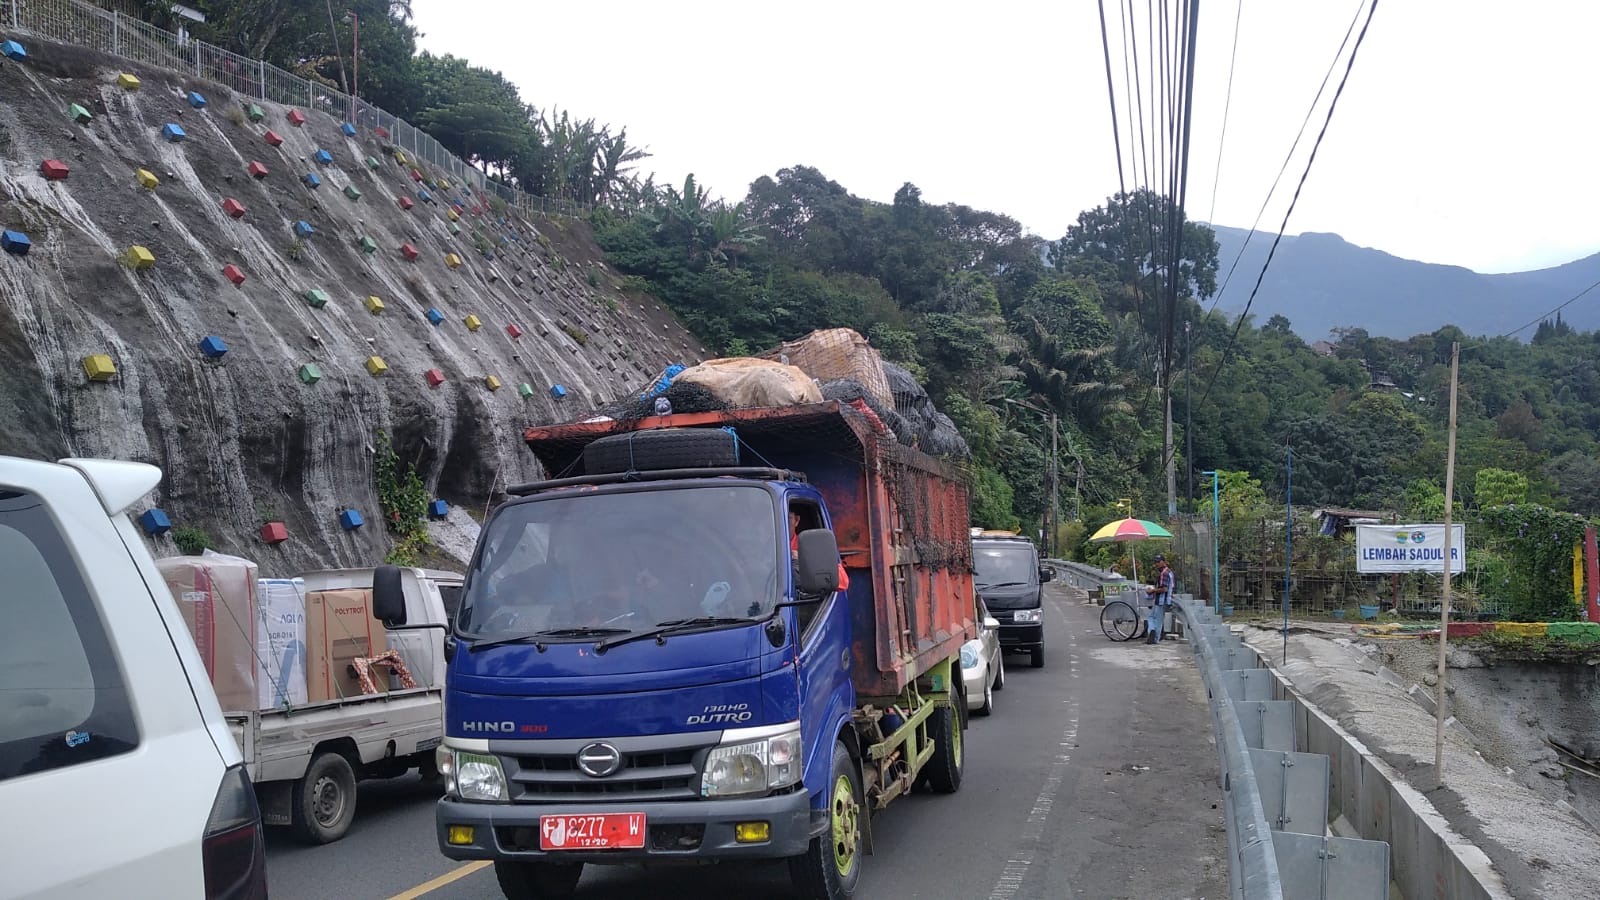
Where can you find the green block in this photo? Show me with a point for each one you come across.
(353, 192)
(372, 162)
(368, 245)
(310, 374)
(454, 228)
(525, 389)
(316, 298)
(255, 113)
(1577, 632)
(79, 114)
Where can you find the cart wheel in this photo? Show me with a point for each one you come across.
(1120, 621)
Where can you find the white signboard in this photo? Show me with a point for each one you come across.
(1409, 548)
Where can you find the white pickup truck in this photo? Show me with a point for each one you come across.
(305, 761)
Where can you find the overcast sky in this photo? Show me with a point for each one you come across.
(1466, 134)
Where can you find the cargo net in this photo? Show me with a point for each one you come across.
(930, 498)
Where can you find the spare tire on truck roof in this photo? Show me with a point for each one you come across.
(661, 448)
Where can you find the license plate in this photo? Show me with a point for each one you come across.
(610, 831)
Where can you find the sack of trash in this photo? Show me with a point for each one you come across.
(837, 353)
(744, 382)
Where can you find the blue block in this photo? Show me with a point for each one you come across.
(557, 391)
(13, 51)
(213, 346)
(172, 132)
(489, 255)
(303, 229)
(350, 131)
(350, 520)
(438, 509)
(197, 100)
(426, 197)
(15, 242)
(155, 521)
(312, 181)
(436, 317)
(324, 157)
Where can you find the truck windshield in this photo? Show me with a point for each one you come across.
(1004, 565)
(623, 562)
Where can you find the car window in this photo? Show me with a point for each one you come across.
(450, 595)
(62, 699)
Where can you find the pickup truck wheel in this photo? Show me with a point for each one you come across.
(945, 726)
(830, 868)
(537, 880)
(324, 800)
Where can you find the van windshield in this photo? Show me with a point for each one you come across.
(1007, 564)
(623, 562)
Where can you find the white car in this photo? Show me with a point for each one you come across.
(118, 776)
(983, 668)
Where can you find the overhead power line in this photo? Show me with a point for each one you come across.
(1563, 305)
(1227, 104)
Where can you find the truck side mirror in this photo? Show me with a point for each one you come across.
(388, 596)
(817, 570)
(1046, 574)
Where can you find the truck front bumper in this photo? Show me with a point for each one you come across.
(685, 829)
(1021, 637)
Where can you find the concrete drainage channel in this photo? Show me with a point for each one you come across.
(1310, 812)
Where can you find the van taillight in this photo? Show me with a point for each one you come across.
(234, 850)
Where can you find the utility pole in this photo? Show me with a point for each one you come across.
(1055, 488)
(1172, 464)
(1444, 603)
(1188, 411)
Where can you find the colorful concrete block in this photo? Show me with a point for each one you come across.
(128, 82)
(197, 100)
(409, 252)
(454, 228)
(233, 208)
(273, 138)
(452, 260)
(256, 170)
(140, 257)
(173, 133)
(558, 391)
(454, 216)
(13, 51)
(525, 389)
(416, 175)
(147, 179)
(406, 203)
(382, 132)
(353, 192)
(374, 304)
(274, 533)
(316, 298)
(296, 118)
(438, 509)
(213, 347)
(401, 158)
(376, 366)
(514, 330)
(255, 112)
(372, 162)
(488, 254)
(99, 367)
(54, 169)
(348, 129)
(444, 185)
(234, 274)
(350, 520)
(434, 316)
(323, 157)
(493, 382)
(473, 323)
(424, 196)
(303, 229)
(15, 242)
(435, 377)
(79, 114)
(367, 245)
(310, 374)
(312, 180)
(155, 521)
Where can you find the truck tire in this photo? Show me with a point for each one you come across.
(662, 448)
(945, 727)
(830, 868)
(537, 880)
(324, 802)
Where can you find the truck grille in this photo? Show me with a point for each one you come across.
(647, 773)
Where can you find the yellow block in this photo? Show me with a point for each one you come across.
(128, 82)
(374, 305)
(140, 257)
(473, 323)
(99, 367)
(452, 214)
(400, 157)
(444, 185)
(376, 366)
(1521, 629)
(452, 260)
(147, 179)
(492, 382)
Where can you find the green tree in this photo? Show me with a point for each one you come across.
(1497, 487)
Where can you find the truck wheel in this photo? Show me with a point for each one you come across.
(831, 866)
(537, 880)
(945, 725)
(324, 800)
(665, 448)
(1038, 657)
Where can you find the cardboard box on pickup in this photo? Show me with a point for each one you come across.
(339, 628)
(217, 596)
(280, 642)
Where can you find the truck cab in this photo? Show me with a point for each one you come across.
(1010, 579)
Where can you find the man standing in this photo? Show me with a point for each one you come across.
(1160, 595)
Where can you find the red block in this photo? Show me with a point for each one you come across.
(273, 138)
(405, 203)
(233, 208)
(514, 331)
(257, 170)
(274, 532)
(382, 132)
(416, 174)
(296, 118)
(434, 376)
(409, 251)
(53, 169)
(233, 274)
(1468, 629)
(477, 210)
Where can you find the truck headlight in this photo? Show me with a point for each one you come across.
(753, 761)
(1027, 616)
(478, 776)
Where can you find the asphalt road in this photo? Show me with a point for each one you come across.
(1096, 777)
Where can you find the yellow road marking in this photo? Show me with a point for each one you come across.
(428, 887)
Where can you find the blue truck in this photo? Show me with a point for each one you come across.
(658, 658)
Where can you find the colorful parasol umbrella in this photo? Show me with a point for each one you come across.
(1131, 529)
